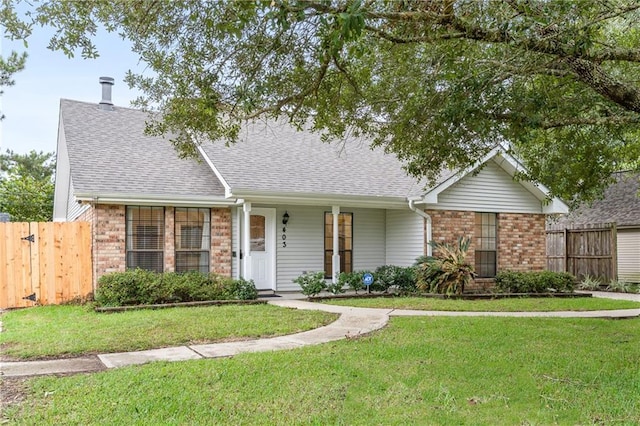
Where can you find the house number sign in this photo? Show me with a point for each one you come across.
(284, 236)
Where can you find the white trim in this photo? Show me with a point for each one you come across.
(510, 165)
(246, 237)
(308, 199)
(163, 200)
(335, 258)
(426, 216)
(227, 187)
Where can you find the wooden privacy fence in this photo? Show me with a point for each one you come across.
(49, 261)
(583, 250)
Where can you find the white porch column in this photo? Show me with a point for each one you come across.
(246, 243)
(335, 259)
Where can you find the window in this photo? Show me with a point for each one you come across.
(145, 238)
(192, 239)
(345, 245)
(486, 238)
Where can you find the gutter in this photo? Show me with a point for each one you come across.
(429, 223)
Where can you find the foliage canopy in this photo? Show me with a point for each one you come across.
(438, 82)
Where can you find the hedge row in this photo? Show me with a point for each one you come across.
(141, 287)
(534, 282)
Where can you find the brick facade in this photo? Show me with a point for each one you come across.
(221, 241)
(520, 237)
(521, 242)
(108, 224)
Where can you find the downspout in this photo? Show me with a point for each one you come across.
(427, 218)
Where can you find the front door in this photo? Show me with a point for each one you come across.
(263, 248)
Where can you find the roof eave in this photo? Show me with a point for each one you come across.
(299, 198)
(153, 199)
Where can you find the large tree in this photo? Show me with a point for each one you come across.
(26, 185)
(13, 28)
(439, 83)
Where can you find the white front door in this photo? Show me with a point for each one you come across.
(263, 248)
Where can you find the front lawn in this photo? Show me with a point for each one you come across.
(55, 331)
(419, 370)
(528, 304)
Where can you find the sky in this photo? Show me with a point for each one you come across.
(31, 106)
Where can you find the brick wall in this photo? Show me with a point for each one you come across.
(109, 248)
(521, 239)
(169, 240)
(109, 239)
(521, 242)
(221, 241)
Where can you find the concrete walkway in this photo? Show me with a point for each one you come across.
(351, 323)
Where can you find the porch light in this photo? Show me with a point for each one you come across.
(285, 218)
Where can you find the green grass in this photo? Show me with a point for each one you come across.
(420, 370)
(54, 331)
(497, 305)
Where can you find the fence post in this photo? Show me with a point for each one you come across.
(566, 251)
(614, 252)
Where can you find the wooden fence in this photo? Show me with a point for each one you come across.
(51, 262)
(583, 250)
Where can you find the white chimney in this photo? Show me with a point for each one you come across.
(106, 103)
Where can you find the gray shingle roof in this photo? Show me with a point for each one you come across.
(109, 154)
(620, 205)
(274, 157)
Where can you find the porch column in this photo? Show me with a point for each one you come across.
(246, 243)
(335, 259)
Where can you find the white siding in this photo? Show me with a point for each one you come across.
(629, 255)
(73, 208)
(305, 241)
(304, 250)
(405, 237)
(63, 192)
(491, 190)
(369, 235)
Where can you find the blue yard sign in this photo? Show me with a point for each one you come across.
(367, 279)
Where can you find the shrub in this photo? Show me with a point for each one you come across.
(353, 280)
(241, 289)
(589, 283)
(391, 276)
(534, 282)
(311, 283)
(126, 288)
(620, 287)
(141, 287)
(448, 272)
(335, 288)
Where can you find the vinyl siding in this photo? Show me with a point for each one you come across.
(305, 242)
(74, 210)
(369, 235)
(491, 190)
(405, 237)
(304, 250)
(629, 255)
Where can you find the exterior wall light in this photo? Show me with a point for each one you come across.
(285, 218)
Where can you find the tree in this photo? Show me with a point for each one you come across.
(14, 29)
(26, 186)
(439, 83)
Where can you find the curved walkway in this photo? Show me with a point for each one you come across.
(351, 323)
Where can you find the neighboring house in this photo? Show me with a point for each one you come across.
(280, 202)
(620, 206)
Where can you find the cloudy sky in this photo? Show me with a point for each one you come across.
(31, 106)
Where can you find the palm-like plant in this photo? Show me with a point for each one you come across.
(448, 272)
